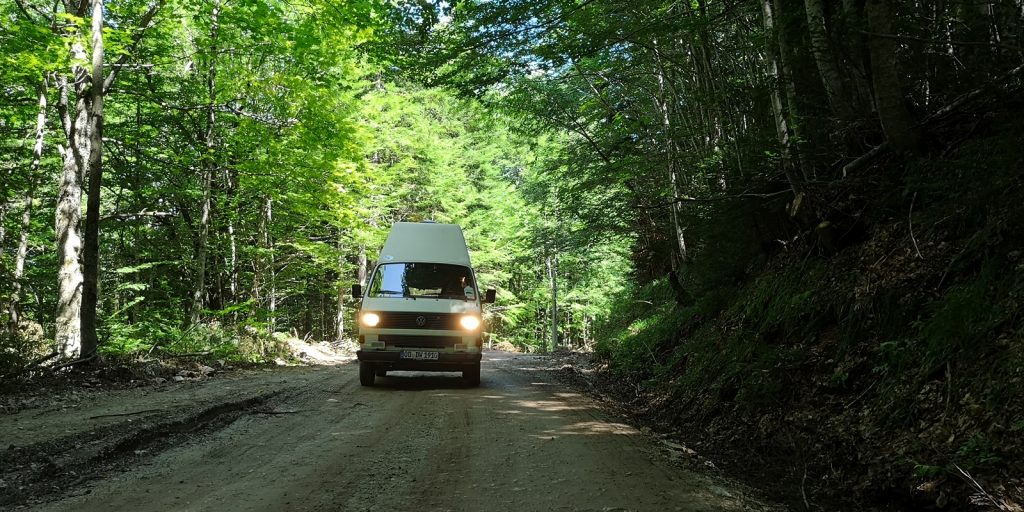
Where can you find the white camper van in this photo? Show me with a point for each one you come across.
(421, 309)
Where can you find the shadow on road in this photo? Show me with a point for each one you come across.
(421, 381)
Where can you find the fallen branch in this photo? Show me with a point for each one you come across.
(910, 223)
(189, 354)
(803, 489)
(83, 360)
(865, 158)
(970, 95)
(41, 360)
(865, 392)
(123, 414)
(940, 113)
(981, 490)
(165, 353)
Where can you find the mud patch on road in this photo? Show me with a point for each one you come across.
(57, 467)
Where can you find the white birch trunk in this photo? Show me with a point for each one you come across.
(552, 263)
(363, 265)
(339, 315)
(664, 104)
(268, 212)
(781, 125)
(68, 212)
(824, 58)
(14, 306)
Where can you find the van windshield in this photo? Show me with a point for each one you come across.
(433, 280)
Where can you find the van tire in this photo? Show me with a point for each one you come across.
(366, 371)
(472, 376)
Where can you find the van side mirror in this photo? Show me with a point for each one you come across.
(489, 296)
(357, 291)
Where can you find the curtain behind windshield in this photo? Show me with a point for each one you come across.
(436, 280)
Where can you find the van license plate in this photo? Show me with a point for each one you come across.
(418, 355)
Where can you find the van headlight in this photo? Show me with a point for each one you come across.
(370, 319)
(469, 322)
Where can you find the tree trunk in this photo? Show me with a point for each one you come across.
(69, 213)
(853, 44)
(665, 102)
(3, 223)
(552, 262)
(897, 121)
(90, 281)
(268, 241)
(781, 124)
(199, 287)
(788, 81)
(339, 314)
(208, 163)
(233, 263)
(14, 306)
(824, 57)
(307, 313)
(363, 265)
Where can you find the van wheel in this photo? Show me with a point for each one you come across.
(365, 373)
(472, 376)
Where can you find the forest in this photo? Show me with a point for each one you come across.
(789, 227)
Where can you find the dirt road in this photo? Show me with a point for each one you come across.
(313, 439)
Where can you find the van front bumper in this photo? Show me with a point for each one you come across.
(445, 362)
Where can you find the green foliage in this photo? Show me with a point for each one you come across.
(643, 323)
(928, 471)
(782, 306)
(961, 316)
(977, 450)
(248, 343)
(748, 362)
(894, 356)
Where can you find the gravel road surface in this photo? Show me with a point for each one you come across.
(314, 439)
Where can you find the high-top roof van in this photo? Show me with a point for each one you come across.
(421, 309)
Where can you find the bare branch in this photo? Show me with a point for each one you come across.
(143, 213)
(688, 199)
(945, 42)
(267, 119)
(24, 10)
(144, 24)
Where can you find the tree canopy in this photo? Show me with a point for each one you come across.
(721, 196)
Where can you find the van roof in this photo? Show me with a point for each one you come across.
(425, 242)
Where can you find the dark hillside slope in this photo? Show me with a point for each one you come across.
(878, 359)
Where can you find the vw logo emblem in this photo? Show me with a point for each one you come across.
(421, 321)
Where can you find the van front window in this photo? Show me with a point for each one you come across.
(433, 280)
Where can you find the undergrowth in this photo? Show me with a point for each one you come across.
(903, 351)
(247, 344)
(29, 353)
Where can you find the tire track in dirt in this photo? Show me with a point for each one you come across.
(415, 442)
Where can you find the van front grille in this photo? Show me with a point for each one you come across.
(420, 341)
(406, 320)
